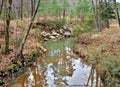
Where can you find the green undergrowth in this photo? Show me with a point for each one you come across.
(104, 61)
(84, 27)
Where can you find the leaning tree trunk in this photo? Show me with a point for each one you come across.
(116, 11)
(7, 26)
(1, 6)
(20, 53)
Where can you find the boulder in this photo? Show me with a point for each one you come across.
(65, 27)
(51, 37)
(55, 33)
(61, 31)
(45, 34)
(46, 39)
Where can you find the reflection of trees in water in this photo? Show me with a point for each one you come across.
(94, 79)
(43, 76)
(36, 77)
(64, 68)
(52, 74)
(39, 73)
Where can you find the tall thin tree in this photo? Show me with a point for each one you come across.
(7, 26)
(96, 14)
(107, 14)
(1, 6)
(32, 7)
(21, 8)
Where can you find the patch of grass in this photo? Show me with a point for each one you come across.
(104, 61)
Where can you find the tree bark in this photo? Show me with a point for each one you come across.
(21, 7)
(116, 11)
(107, 14)
(64, 13)
(64, 10)
(96, 15)
(1, 6)
(7, 27)
(20, 53)
(32, 7)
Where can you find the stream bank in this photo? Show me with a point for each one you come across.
(102, 51)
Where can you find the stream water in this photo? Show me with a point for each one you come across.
(60, 67)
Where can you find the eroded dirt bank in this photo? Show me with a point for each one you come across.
(102, 51)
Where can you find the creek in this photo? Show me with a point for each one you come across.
(59, 67)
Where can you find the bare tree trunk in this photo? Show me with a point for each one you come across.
(64, 10)
(116, 11)
(7, 27)
(1, 6)
(107, 14)
(21, 7)
(20, 53)
(64, 13)
(96, 15)
(32, 7)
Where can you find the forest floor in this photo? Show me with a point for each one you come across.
(102, 51)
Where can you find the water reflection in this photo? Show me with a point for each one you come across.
(50, 76)
(30, 80)
(59, 68)
(79, 75)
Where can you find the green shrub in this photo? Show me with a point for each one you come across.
(72, 15)
(87, 26)
(113, 81)
(77, 30)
